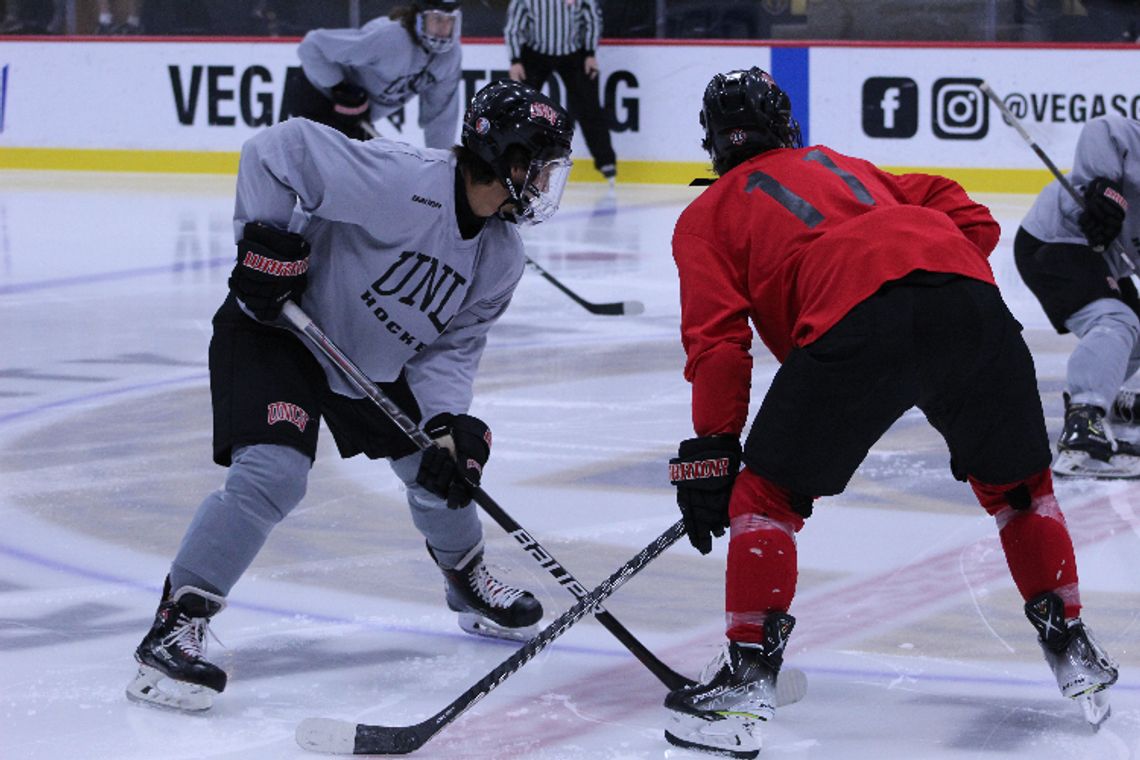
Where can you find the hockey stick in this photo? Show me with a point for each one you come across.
(368, 129)
(1126, 265)
(618, 308)
(340, 737)
(302, 322)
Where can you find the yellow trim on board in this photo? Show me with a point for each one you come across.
(1028, 181)
(151, 161)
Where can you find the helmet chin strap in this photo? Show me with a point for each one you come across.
(515, 200)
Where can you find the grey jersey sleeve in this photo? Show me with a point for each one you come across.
(1101, 148)
(299, 163)
(1108, 146)
(325, 52)
(380, 47)
(439, 109)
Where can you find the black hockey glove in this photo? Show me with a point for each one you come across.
(704, 471)
(350, 100)
(270, 269)
(1105, 208)
(462, 447)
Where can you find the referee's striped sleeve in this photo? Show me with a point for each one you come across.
(518, 23)
(591, 19)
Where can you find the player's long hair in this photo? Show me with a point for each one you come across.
(406, 16)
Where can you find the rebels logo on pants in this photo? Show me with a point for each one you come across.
(283, 411)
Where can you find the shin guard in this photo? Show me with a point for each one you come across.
(762, 569)
(1036, 541)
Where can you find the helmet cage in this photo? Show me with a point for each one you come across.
(537, 197)
(745, 113)
(438, 9)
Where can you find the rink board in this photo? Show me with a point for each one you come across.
(161, 105)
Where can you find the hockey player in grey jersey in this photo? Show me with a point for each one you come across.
(353, 77)
(406, 257)
(1057, 250)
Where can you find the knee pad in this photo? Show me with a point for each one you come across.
(267, 481)
(1119, 318)
(754, 497)
(1006, 501)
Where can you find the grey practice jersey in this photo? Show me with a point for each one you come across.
(383, 59)
(391, 281)
(1109, 146)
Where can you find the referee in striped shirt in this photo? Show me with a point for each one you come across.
(546, 36)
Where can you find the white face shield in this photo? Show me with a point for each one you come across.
(542, 191)
(438, 30)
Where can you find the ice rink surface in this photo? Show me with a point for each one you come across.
(909, 627)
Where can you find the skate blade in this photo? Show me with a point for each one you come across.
(153, 687)
(477, 625)
(726, 734)
(1078, 464)
(1095, 706)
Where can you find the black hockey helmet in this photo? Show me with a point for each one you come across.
(426, 29)
(745, 113)
(510, 125)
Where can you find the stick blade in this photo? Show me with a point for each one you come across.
(614, 309)
(342, 737)
(327, 735)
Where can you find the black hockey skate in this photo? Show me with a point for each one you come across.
(737, 692)
(1087, 447)
(175, 650)
(1083, 670)
(486, 605)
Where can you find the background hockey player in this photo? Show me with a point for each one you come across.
(1058, 253)
(874, 293)
(406, 257)
(361, 75)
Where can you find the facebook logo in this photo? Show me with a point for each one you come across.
(890, 107)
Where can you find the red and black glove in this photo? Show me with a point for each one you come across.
(462, 447)
(1105, 209)
(271, 268)
(703, 472)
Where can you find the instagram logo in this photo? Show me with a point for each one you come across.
(960, 110)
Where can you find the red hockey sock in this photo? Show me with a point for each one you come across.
(761, 574)
(1033, 534)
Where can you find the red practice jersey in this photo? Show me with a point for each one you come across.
(792, 240)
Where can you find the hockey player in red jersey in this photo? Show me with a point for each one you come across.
(874, 292)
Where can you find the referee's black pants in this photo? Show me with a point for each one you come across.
(581, 99)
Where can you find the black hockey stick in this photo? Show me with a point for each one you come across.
(664, 673)
(615, 309)
(1120, 263)
(342, 737)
